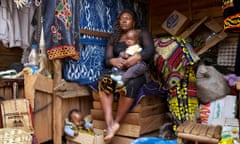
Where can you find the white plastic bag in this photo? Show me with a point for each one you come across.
(211, 84)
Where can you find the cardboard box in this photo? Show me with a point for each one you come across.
(85, 138)
(221, 108)
(230, 127)
(175, 23)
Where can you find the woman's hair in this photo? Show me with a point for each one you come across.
(117, 31)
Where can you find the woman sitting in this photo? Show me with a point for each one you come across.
(126, 21)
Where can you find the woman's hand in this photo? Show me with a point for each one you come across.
(117, 62)
(132, 60)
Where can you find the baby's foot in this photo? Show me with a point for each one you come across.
(118, 79)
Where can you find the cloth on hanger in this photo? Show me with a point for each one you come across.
(87, 68)
(231, 13)
(16, 29)
(61, 28)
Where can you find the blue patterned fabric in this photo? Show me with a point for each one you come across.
(89, 66)
(97, 15)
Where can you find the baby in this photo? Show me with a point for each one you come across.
(76, 123)
(136, 70)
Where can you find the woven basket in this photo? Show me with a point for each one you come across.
(14, 136)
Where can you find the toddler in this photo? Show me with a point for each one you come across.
(76, 123)
(134, 71)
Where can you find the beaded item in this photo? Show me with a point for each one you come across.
(175, 60)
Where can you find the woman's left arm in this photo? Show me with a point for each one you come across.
(146, 41)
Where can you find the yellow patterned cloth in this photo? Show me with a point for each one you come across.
(175, 61)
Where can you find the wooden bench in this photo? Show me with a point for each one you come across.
(199, 133)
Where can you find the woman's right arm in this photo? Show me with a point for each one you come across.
(112, 61)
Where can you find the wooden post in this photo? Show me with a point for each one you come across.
(57, 104)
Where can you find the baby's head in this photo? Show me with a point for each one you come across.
(132, 38)
(76, 117)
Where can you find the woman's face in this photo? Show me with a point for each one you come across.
(126, 21)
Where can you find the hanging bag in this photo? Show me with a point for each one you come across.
(16, 112)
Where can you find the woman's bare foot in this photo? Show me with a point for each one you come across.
(111, 132)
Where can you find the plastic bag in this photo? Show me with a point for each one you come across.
(211, 84)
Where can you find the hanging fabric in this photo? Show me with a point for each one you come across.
(61, 28)
(16, 29)
(97, 15)
(89, 66)
(175, 61)
(231, 13)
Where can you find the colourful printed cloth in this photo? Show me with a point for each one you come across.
(149, 89)
(231, 14)
(61, 28)
(175, 61)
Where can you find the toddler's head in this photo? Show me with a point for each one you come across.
(132, 38)
(76, 117)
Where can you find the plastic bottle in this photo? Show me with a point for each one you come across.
(33, 58)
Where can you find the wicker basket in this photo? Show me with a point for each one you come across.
(14, 136)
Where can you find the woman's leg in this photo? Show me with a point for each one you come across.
(106, 102)
(124, 105)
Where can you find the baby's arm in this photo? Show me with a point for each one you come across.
(88, 126)
(124, 55)
(69, 131)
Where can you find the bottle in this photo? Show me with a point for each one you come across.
(33, 59)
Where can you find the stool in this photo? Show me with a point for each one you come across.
(199, 133)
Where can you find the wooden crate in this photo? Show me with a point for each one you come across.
(127, 140)
(6, 88)
(199, 133)
(116, 140)
(147, 116)
(39, 90)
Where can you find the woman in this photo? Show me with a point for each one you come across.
(126, 21)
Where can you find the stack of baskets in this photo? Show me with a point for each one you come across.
(14, 136)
